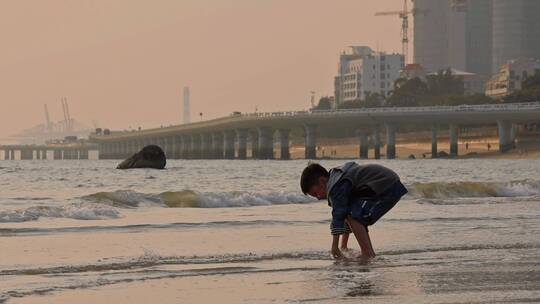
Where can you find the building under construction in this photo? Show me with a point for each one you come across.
(476, 36)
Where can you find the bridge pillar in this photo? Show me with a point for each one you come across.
(129, 148)
(266, 143)
(130, 145)
(101, 150)
(27, 154)
(364, 144)
(454, 134)
(217, 145)
(174, 147)
(195, 146)
(114, 150)
(285, 153)
(377, 143)
(241, 135)
(228, 138)
(206, 145)
(186, 146)
(310, 141)
(254, 136)
(83, 154)
(123, 149)
(168, 147)
(513, 134)
(434, 148)
(505, 137)
(57, 154)
(161, 143)
(12, 154)
(390, 141)
(177, 146)
(66, 154)
(110, 151)
(104, 151)
(119, 150)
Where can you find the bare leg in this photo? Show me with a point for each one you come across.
(362, 236)
(344, 241)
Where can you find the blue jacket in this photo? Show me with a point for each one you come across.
(338, 192)
(347, 182)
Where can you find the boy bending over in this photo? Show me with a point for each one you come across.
(359, 196)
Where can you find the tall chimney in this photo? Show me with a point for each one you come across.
(186, 105)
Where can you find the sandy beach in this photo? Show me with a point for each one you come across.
(476, 147)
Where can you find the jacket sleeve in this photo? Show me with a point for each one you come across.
(339, 198)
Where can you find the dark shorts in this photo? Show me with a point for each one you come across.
(369, 210)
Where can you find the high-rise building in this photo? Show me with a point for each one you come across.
(362, 71)
(477, 36)
(430, 34)
(453, 33)
(516, 31)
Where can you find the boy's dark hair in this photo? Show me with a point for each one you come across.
(310, 176)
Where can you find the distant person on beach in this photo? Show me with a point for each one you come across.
(359, 196)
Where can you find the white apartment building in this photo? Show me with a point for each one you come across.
(362, 72)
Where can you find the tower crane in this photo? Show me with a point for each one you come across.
(404, 15)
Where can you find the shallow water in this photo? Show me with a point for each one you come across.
(240, 231)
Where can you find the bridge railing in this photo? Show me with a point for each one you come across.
(460, 108)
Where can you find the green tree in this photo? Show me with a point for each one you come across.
(407, 93)
(445, 83)
(373, 100)
(325, 103)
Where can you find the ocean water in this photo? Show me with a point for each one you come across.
(242, 232)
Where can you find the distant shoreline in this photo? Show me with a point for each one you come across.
(526, 148)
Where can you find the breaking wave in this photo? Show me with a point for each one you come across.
(107, 205)
(79, 211)
(192, 199)
(441, 190)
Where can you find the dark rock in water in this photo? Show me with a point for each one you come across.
(412, 156)
(151, 156)
(443, 154)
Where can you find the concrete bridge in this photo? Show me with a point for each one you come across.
(46, 152)
(228, 137)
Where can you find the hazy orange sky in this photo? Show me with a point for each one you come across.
(124, 63)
